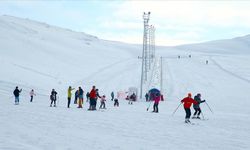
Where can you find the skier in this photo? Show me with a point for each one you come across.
(32, 94)
(70, 89)
(80, 95)
(116, 102)
(96, 98)
(92, 97)
(156, 99)
(53, 97)
(112, 96)
(147, 96)
(206, 62)
(87, 97)
(16, 93)
(187, 104)
(197, 108)
(132, 98)
(76, 97)
(102, 106)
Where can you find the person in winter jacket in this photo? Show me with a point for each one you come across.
(53, 97)
(16, 93)
(80, 95)
(188, 101)
(112, 96)
(32, 94)
(76, 97)
(102, 106)
(156, 99)
(132, 98)
(87, 97)
(92, 98)
(197, 108)
(70, 89)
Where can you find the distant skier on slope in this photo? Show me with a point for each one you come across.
(32, 94)
(70, 89)
(132, 98)
(112, 96)
(188, 101)
(116, 102)
(92, 97)
(103, 99)
(53, 97)
(197, 108)
(16, 93)
(76, 97)
(96, 98)
(80, 95)
(87, 97)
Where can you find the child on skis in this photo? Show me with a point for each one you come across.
(32, 94)
(53, 97)
(102, 106)
(188, 101)
(116, 102)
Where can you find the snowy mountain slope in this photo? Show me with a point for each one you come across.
(46, 57)
(239, 45)
(40, 56)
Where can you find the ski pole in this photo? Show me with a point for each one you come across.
(149, 105)
(176, 109)
(202, 116)
(209, 107)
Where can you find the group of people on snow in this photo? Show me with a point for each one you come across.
(93, 96)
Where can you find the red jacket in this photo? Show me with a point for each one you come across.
(92, 94)
(188, 102)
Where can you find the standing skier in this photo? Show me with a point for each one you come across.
(53, 97)
(32, 94)
(96, 98)
(188, 101)
(102, 106)
(80, 95)
(156, 99)
(197, 108)
(132, 98)
(16, 93)
(92, 97)
(70, 89)
(76, 97)
(87, 97)
(112, 96)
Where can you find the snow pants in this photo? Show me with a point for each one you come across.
(102, 106)
(16, 99)
(155, 107)
(116, 103)
(197, 111)
(69, 100)
(31, 98)
(188, 113)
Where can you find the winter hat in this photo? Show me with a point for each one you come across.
(189, 95)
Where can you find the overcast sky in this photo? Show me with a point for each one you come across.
(176, 21)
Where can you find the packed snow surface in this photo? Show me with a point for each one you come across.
(40, 56)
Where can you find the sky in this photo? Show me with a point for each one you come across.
(176, 21)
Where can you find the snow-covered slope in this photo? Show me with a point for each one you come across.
(40, 56)
(239, 45)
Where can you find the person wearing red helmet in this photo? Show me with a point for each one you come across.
(187, 102)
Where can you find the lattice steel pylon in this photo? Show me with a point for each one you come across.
(148, 52)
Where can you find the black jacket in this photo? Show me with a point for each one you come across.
(197, 99)
(17, 92)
